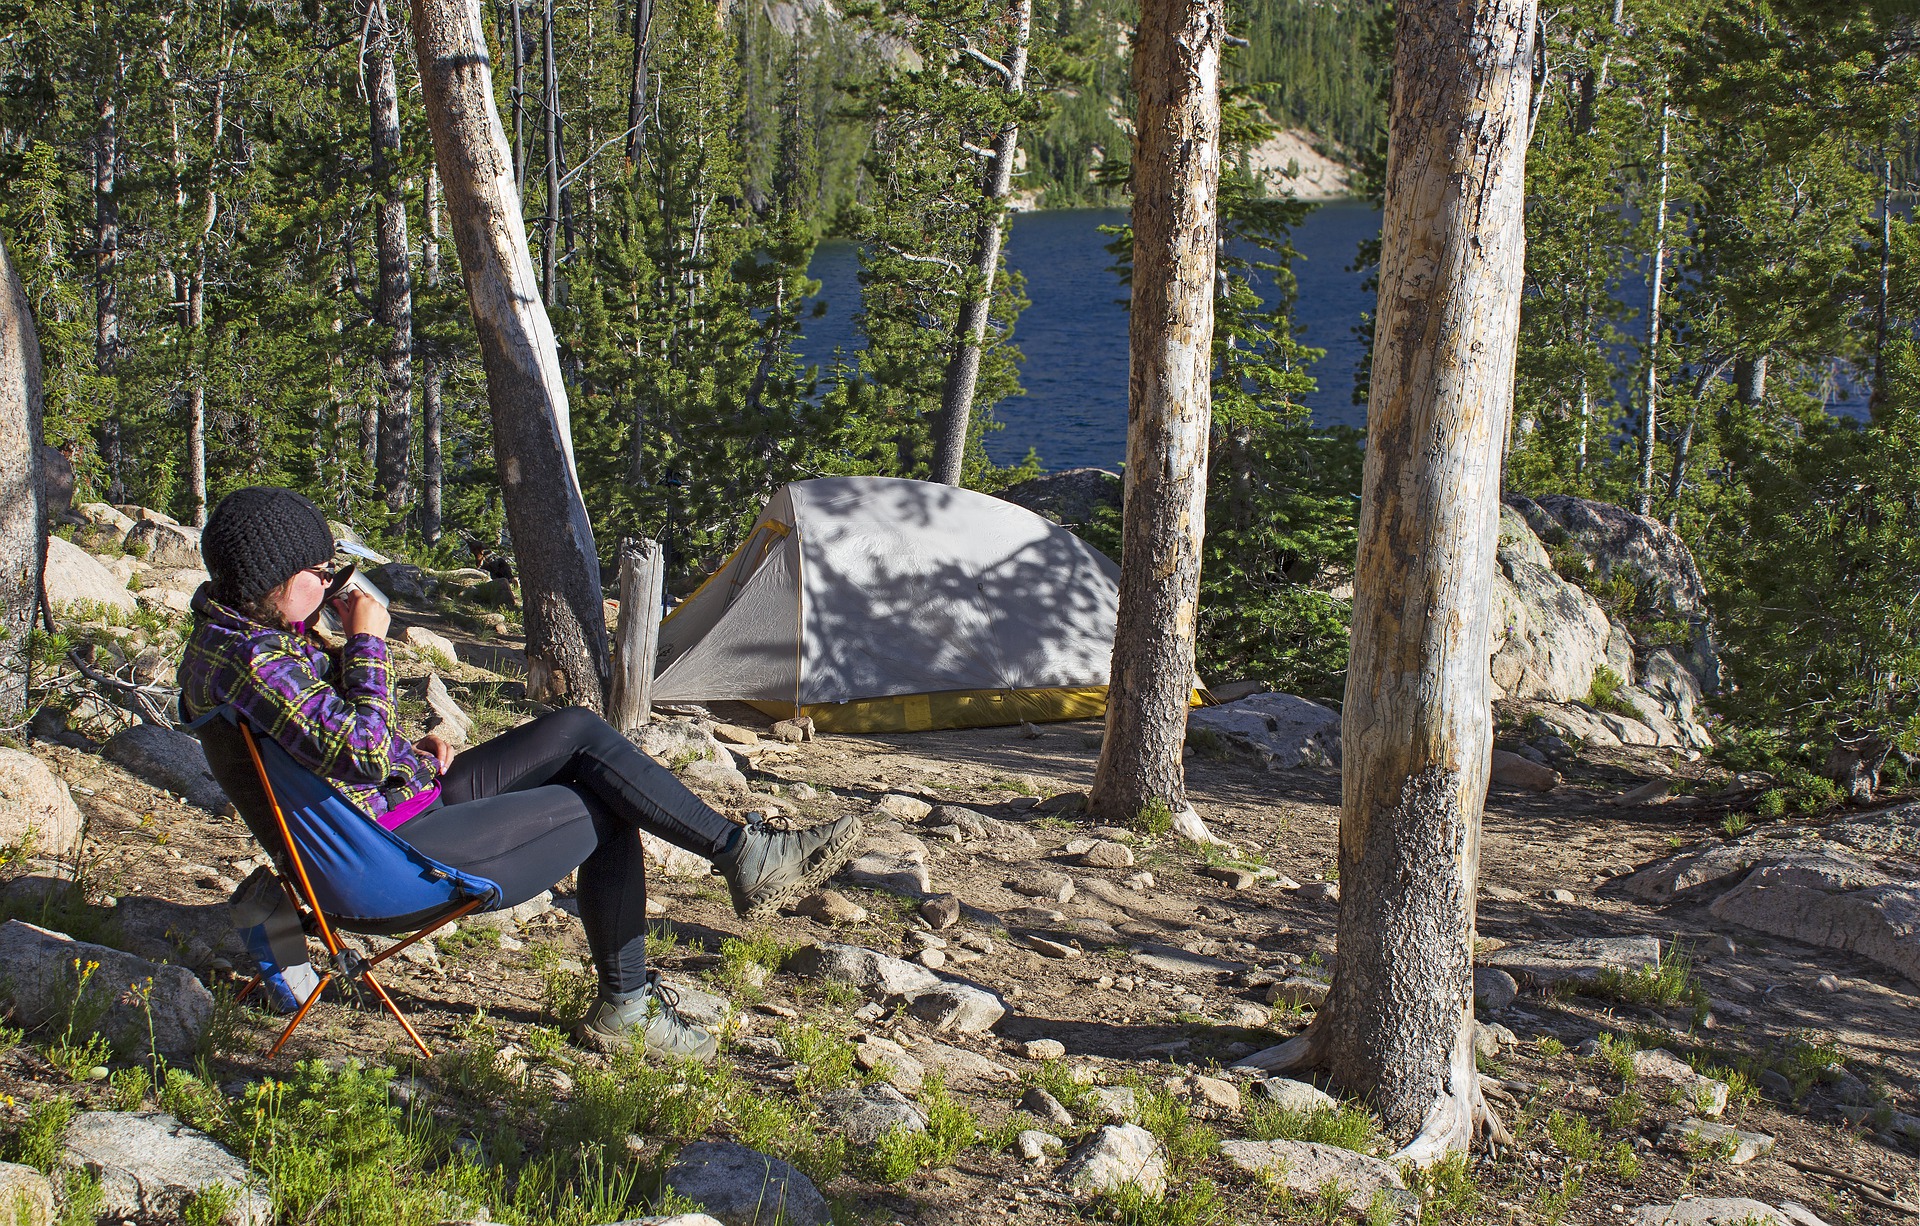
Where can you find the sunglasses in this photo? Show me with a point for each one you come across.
(335, 579)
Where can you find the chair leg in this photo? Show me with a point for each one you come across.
(247, 991)
(300, 1016)
(429, 930)
(366, 977)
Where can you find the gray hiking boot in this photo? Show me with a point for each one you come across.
(766, 867)
(651, 1017)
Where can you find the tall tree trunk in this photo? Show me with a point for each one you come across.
(1750, 379)
(559, 569)
(23, 508)
(106, 273)
(637, 92)
(1650, 418)
(1880, 322)
(1416, 729)
(519, 101)
(1176, 177)
(550, 110)
(393, 305)
(970, 331)
(431, 412)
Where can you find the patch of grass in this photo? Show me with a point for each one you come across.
(565, 993)
(822, 1061)
(1624, 1110)
(1734, 824)
(36, 1140)
(1616, 1052)
(1604, 693)
(1196, 1202)
(951, 1127)
(1155, 817)
(1626, 1163)
(1551, 1048)
(1448, 1192)
(1574, 1135)
(1348, 1127)
(463, 943)
(1551, 1207)
(745, 964)
(1056, 1078)
(1188, 1143)
(1669, 983)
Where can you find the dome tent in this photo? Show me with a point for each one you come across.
(876, 604)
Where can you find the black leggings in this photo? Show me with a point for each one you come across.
(566, 790)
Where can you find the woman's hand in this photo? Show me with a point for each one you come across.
(362, 614)
(438, 747)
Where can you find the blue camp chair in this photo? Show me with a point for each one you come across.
(341, 869)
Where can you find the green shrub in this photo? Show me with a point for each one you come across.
(1348, 1127)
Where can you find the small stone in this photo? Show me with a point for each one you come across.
(1033, 915)
(794, 731)
(1235, 878)
(1117, 1155)
(1044, 1106)
(26, 1196)
(1246, 1015)
(1319, 891)
(1493, 988)
(865, 1115)
(891, 1061)
(1693, 1134)
(977, 942)
(1107, 854)
(1722, 947)
(1051, 949)
(1299, 991)
(1827, 984)
(1715, 1211)
(1033, 1145)
(1559, 895)
(1305, 1167)
(1044, 1049)
(941, 911)
(906, 808)
(1142, 880)
(1116, 1104)
(1213, 1092)
(831, 907)
(1280, 881)
(1291, 1095)
(932, 959)
(1054, 887)
(1490, 1040)
(737, 1184)
(149, 1165)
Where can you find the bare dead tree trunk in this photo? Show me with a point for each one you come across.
(106, 272)
(1176, 173)
(1650, 419)
(559, 568)
(1416, 730)
(393, 305)
(970, 331)
(519, 101)
(196, 325)
(550, 108)
(23, 508)
(637, 94)
(431, 412)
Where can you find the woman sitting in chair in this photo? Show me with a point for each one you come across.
(564, 790)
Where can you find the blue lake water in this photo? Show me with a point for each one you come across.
(1074, 335)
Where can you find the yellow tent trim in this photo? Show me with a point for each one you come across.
(951, 709)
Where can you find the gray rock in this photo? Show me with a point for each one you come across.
(891, 861)
(675, 741)
(1319, 891)
(1299, 991)
(891, 1061)
(1513, 771)
(26, 1196)
(511, 917)
(744, 1187)
(1581, 959)
(1550, 636)
(1493, 988)
(1282, 730)
(1893, 831)
(1490, 1039)
(36, 810)
(946, 1004)
(865, 1115)
(1708, 1096)
(75, 578)
(150, 1165)
(906, 808)
(670, 861)
(1117, 1155)
(1169, 960)
(1233, 878)
(966, 1070)
(1033, 1145)
(715, 777)
(1054, 887)
(166, 546)
(40, 981)
(445, 717)
(941, 911)
(1291, 1095)
(1116, 1104)
(1573, 723)
(1044, 1049)
(167, 758)
(1042, 1105)
(1836, 903)
(1693, 1133)
(1304, 1167)
(1711, 1211)
(1051, 949)
(670, 1219)
(1679, 875)
(831, 907)
(1072, 498)
(1105, 853)
(404, 581)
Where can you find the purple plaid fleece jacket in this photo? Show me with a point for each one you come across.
(339, 726)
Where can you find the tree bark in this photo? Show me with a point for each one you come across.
(1750, 379)
(1176, 170)
(637, 93)
(550, 108)
(393, 305)
(196, 311)
(519, 101)
(559, 569)
(23, 508)
(106, 272)
(970, 331)
(431, 412)
(1650, 419)
(1416, 730)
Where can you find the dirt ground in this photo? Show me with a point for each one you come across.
(1118, 1018)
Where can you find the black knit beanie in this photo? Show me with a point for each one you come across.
(258, 538)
